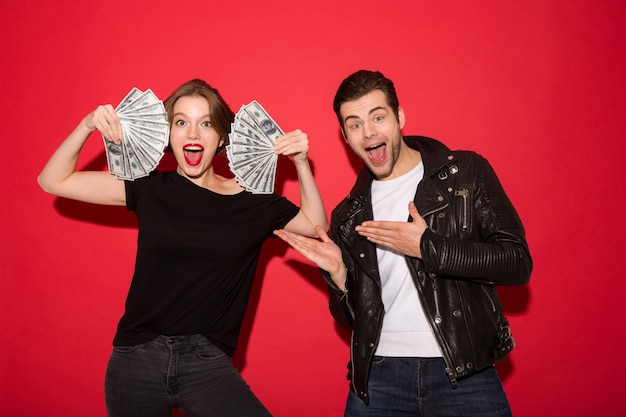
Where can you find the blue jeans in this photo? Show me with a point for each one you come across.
(420, 387)
(184, 372)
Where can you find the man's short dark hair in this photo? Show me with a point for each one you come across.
(361, 83)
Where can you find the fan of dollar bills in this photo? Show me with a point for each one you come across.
(146, 134)
(251, 155)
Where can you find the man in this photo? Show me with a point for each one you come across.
(418, 295)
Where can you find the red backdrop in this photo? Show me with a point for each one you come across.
(537, 87)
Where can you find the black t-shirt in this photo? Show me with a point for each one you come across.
(197, 253)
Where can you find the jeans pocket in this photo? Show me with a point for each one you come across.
(208, 351)
(124, 349)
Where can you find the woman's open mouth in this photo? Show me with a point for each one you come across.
(193, 154)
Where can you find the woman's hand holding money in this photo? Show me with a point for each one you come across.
(294, 144)
(104, 119)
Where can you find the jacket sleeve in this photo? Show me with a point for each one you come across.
(339, 303)
(497, 252)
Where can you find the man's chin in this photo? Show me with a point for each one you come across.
(380, 172)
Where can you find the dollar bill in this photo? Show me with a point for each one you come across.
(251, 155)
(129, 98)
(268, 126)
(115, 158)
(146, 135)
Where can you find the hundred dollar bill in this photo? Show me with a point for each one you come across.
(148, 155)
(268, 126)
(157, 140)
(115, 157)
(154, 122)
(146, 135)
(237, 138)
(237, 162)
(250, 131)
(129, 98)
(251, 154)
(140, 100)
(263, 181)
(149, 109)
(136, 169)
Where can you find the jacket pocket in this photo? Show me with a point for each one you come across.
(464, 208)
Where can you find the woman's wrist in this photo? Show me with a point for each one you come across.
(339, 278)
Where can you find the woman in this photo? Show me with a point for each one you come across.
(199, 240)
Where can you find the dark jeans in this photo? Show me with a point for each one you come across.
(184, 372)
(419, 387)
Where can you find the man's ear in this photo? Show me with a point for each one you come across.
(401, 117)
(343, 134)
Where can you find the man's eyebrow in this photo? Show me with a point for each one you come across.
(375, 109)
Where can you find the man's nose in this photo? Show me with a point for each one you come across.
(369, 130)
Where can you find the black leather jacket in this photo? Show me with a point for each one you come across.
(474, 241)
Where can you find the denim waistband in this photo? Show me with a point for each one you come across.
(180, 341)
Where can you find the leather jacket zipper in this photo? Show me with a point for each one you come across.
(465, 194)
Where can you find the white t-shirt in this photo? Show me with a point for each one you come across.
(405, 330)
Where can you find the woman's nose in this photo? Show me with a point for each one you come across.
(193, 132)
